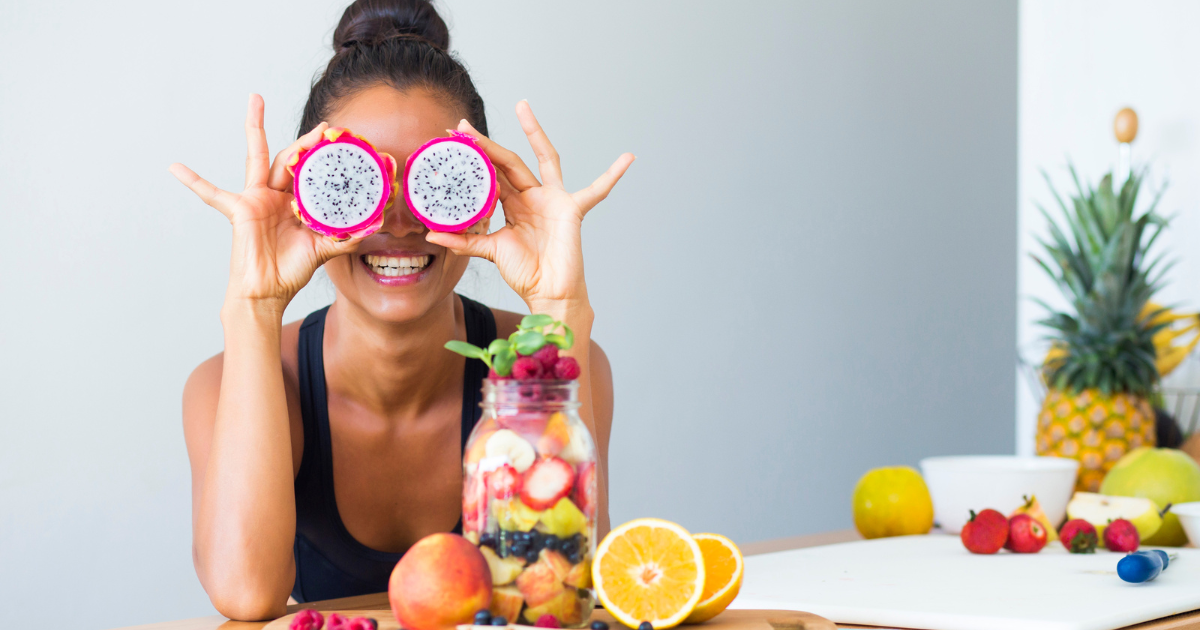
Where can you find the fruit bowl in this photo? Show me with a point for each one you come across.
(962, 483)
(1189, 516)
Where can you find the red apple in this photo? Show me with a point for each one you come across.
(441, 582)
(1025, 534)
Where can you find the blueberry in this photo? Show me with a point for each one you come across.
(575, 557)
(599, 625)
(488, 540)
(499, 621)
(552, 543)
(645, 625)
(532, 556)
(568, 547)
(483, 618)
(536, 540)
(373, 622)
(520, 549)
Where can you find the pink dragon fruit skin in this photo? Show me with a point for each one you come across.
(372, 222)
(476, 214)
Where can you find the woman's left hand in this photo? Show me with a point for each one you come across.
(538, 252)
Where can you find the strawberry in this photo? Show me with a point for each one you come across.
(585, 489)
(1078, 536)
(504, 482)
(1025, 534)
(547, 481)
(1121, 535)
(985, 533)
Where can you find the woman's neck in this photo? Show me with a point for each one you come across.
(394, 370)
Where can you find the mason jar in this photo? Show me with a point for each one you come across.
(529, 500)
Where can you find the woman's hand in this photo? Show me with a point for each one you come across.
(274, 255)
(538, 251)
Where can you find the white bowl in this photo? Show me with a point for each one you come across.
(962, 483)
(1189, 515)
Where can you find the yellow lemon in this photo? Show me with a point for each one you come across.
(892, 502)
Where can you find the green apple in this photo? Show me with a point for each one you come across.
(1162, 474)
(1099, 510)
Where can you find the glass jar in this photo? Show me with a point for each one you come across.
(529, 500)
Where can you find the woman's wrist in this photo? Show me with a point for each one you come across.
(576, 313)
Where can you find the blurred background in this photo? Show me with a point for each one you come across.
(816, 266)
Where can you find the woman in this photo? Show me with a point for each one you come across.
(322, 450)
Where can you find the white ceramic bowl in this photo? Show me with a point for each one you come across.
(962, 483)
(1189, 515)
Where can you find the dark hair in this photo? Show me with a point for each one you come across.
(400, 43)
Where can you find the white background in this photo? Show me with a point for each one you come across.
(807, 273)
(1081, 62)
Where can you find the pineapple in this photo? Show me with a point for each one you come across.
(1101, 370)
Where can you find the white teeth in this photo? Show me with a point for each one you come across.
(396, 266)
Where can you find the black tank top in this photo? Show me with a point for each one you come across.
(330, 563)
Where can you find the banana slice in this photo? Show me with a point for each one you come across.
(506, 443)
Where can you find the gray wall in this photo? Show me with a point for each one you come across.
(808, 272)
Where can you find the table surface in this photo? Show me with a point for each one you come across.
(378, 601)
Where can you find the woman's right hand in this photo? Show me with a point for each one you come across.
(274, 255)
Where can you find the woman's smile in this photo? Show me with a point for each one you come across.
(396, 268)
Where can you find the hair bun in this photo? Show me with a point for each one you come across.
(373, 21)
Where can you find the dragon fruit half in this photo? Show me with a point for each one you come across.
(450, 184)
(342, 185)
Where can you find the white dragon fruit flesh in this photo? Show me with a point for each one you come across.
(342, 185)
(450, 184)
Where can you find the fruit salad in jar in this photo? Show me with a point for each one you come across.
(529, 490)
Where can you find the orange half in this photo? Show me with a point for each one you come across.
(649, 570)
(723, 567)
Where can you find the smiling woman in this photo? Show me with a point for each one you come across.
(322, 450)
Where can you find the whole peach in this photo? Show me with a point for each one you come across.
(442, 581)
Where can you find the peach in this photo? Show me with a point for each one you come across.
(506, 602)
(542, 581)
(442, 581)
(580, 575)
(565, 607)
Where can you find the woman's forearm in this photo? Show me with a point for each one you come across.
(246, 523)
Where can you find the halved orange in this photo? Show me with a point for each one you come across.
(649, 570)
(722, 576)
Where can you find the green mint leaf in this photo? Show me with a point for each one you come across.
(536, 322)
(498, 345)
(504, 360)
(529, 341)
(466, 349)
(570, 336)
(557, 340)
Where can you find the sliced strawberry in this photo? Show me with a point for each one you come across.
(585, 489)
(547, 480)
(504, 482)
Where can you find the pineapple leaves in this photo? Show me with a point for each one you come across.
(1097, 254)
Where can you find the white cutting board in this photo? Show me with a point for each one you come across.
(933, 583)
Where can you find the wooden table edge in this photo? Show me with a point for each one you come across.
(378, 601)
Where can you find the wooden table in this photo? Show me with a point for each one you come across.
(378, 601)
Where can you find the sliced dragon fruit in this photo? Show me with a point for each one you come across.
(450, 184)
(342, 185)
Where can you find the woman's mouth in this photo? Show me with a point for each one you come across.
(396, 270)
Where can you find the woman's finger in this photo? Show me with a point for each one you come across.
(594, 194)
(509, 163)
(258, 158)
(477, 245)
(280, 179)
(209, 194)
(547, 156)
(504, 190)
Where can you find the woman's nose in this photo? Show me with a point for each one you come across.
(399, 220)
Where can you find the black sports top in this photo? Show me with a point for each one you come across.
(330, 563)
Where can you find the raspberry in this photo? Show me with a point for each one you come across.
(566, 369)
(548, 354)
(337, 622)
(362, 623)
(527, 368)
(547, 621)
(307, 620)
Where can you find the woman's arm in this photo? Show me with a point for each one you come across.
(539, 253)
(236, 415)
